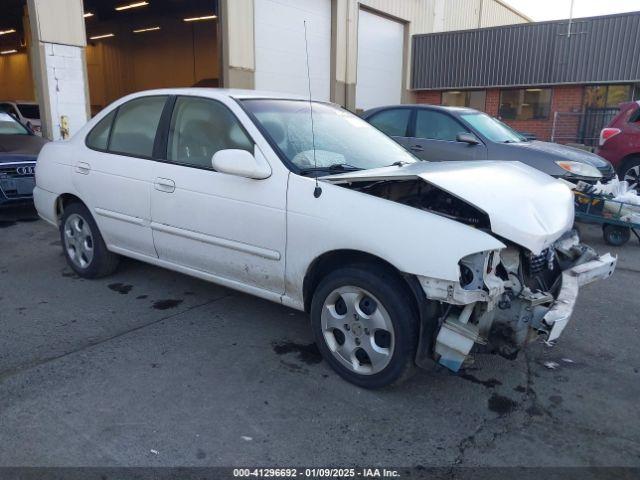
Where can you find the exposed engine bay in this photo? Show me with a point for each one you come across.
(504, 298)
(420, 194)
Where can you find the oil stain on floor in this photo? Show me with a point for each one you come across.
(501, 405)
(308, 353)
(166, 304)
(121, 288)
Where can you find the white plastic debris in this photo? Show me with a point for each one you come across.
(551, 365)
(155, 452)
(246, 439)
(567, 360)
(620, 191)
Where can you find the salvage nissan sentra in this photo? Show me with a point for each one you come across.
(396, 261)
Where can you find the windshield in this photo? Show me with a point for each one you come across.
(341, 138)
(29, 110)
(491, 128)
(8, 126)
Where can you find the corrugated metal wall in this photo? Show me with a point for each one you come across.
(601, 49)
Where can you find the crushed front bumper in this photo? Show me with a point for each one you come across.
(558, 316)
(506, 315)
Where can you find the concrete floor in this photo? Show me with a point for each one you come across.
(153, 368)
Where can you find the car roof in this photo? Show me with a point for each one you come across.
(217, 92)
(422, 106)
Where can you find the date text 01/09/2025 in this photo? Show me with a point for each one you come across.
(315, 473)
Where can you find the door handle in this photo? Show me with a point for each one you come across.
(165, 185)
(83, 168)
(416, 148)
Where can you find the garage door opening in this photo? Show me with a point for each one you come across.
(17, 93)
(136, 45)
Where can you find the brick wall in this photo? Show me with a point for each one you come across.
(429, 96)
(563, 99)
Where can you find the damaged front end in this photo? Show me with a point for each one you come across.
(504, 299)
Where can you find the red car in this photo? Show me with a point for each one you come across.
(620, 143)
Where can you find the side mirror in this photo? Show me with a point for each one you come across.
(469, 138)
(240, 163)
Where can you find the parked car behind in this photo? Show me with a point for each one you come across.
(620, 143)
(396, 261)
(27, 113)
(19, 148)
(438, 133)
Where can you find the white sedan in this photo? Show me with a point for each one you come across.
(397, 261)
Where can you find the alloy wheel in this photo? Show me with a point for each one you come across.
(358, 330)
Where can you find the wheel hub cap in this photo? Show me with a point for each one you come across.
(358, 330)
(78, 241)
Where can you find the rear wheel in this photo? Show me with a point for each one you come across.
(615, 235)
(83, 246)
(364, 325)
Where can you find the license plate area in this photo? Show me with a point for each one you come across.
(17, 187)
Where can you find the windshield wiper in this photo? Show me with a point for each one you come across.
(336, 167)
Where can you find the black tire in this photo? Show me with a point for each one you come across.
(630, 170)
(615, 235)
(395, 298)
(103, 262)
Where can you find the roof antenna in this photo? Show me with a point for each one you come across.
(316, 191)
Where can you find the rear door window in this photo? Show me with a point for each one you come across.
(393, 122)
(135, 126)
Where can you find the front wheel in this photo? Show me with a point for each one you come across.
(365, 326)
(83, 246)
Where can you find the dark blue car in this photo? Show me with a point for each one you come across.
(19, 148)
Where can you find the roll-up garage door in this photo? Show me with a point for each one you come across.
(280, 47)
(380, 58)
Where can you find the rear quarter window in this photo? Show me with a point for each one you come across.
(392, 122)
(98, 137)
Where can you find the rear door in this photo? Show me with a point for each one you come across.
(393, 122)
(433, 138)
(114, 175)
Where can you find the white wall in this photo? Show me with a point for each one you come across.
(66, 86)
(56, 49)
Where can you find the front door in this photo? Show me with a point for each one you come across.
(225, 225)
(114, 175)
(434, 138)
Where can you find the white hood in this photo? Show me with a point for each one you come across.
(524, 205)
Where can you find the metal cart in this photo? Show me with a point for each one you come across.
(616, 231)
